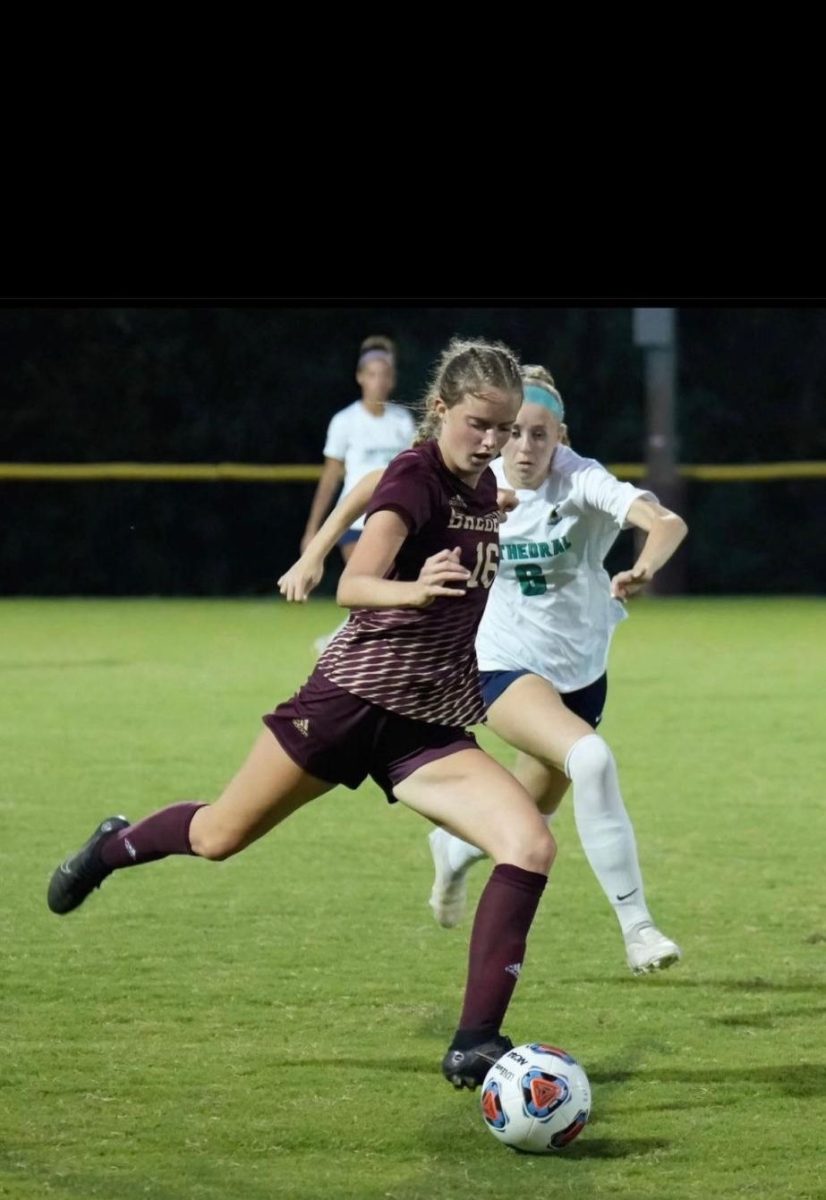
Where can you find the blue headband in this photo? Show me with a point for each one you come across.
(535, 394)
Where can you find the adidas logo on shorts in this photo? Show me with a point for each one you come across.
(302, 725)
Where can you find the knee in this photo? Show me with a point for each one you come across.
(535, 851)
(590, 757)
(544, 854)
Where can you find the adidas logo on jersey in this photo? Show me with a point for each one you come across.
(554, 516)
(514, 969)
(302, 725)
(458, 502)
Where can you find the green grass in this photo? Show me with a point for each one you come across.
(272, 1026)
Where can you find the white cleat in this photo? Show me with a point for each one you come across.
(449, 895)
(648, 950)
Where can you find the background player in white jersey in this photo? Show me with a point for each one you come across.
(360, 438)
(543, 646)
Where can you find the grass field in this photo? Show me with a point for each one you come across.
(272, 1026)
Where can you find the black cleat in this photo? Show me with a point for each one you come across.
(468, 1068)
(84, 871)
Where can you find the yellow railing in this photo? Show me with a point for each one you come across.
(175, 472)
(309, 472)
(731, 472)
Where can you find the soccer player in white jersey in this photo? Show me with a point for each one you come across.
(543, 646)
(360, 438)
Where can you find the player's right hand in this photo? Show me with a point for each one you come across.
(437, 573)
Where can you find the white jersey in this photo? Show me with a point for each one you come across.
(364, 442)
(550, 610)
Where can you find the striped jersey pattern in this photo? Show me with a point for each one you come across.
(421, 663)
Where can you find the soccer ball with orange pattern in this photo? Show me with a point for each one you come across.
(536, 1098)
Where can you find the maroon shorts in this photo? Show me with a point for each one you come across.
(340, 738)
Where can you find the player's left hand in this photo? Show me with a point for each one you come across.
(302, 578)
(626, 584)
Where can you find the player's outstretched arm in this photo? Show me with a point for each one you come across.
(305, 574)
(665, 531)
(332, 475)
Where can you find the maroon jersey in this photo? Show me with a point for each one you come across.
(421, 662)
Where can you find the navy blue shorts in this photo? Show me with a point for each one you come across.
(340, 738)
(587, 703)
(352, 535)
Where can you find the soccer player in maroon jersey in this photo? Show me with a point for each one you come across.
(390, 698)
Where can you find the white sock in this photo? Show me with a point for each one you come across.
(460, 854)
(605, 829)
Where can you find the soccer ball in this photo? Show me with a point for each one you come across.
(536, 1098)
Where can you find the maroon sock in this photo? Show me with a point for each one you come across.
(497, 945)
(164, 832)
